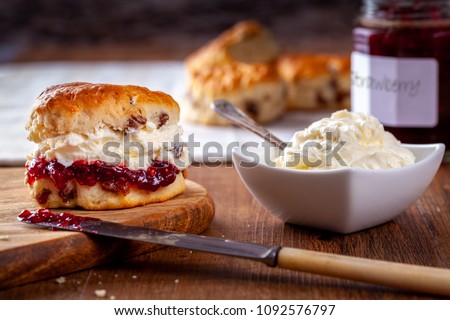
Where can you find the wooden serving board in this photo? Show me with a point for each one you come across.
(29, 253)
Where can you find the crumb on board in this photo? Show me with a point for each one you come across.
(60, 280)
(112, 297)
(134, 276)
(177, 281)
(5, 237)
(100, 293)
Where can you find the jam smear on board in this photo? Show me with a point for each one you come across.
(62, 219)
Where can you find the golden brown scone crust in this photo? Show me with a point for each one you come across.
(293, 67)
(83, 107)
(97, 198)
(340, 64)
(246, 41)
(296, 66)
(216, 80)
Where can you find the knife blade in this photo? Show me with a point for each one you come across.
(399, 275)
(70, 222)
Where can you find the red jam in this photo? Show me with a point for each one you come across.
(415, 29)
(63, 219)
(113, 178)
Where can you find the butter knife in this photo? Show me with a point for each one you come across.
(399, 275)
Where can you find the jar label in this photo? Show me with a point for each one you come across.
(400, 92)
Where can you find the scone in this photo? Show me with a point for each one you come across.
(246, 42)
(104, 146)
(315, 81)
(253, 88)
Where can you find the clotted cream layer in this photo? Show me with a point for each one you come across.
(134, 149)
(346, 139)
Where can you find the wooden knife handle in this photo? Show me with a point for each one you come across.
(392, 274)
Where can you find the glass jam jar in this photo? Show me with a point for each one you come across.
(401, 68)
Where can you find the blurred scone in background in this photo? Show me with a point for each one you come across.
(244, 65)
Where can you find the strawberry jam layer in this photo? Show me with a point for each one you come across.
(113, 178)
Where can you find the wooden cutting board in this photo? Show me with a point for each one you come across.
(29, 253)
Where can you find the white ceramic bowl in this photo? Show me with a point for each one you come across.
(342, 200)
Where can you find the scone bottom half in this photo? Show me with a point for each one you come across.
(85, 111)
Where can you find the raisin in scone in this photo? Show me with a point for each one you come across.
(102, 146)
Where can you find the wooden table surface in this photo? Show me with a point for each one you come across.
(421, 235)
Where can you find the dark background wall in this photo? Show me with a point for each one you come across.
(321, 25)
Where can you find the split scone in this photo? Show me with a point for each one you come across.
(253, 88)
(104, 146)
(315, 81)
(246, 42)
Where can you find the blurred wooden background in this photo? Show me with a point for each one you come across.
(38, 30)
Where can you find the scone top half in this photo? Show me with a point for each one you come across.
(103, 146)
(83, 107)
